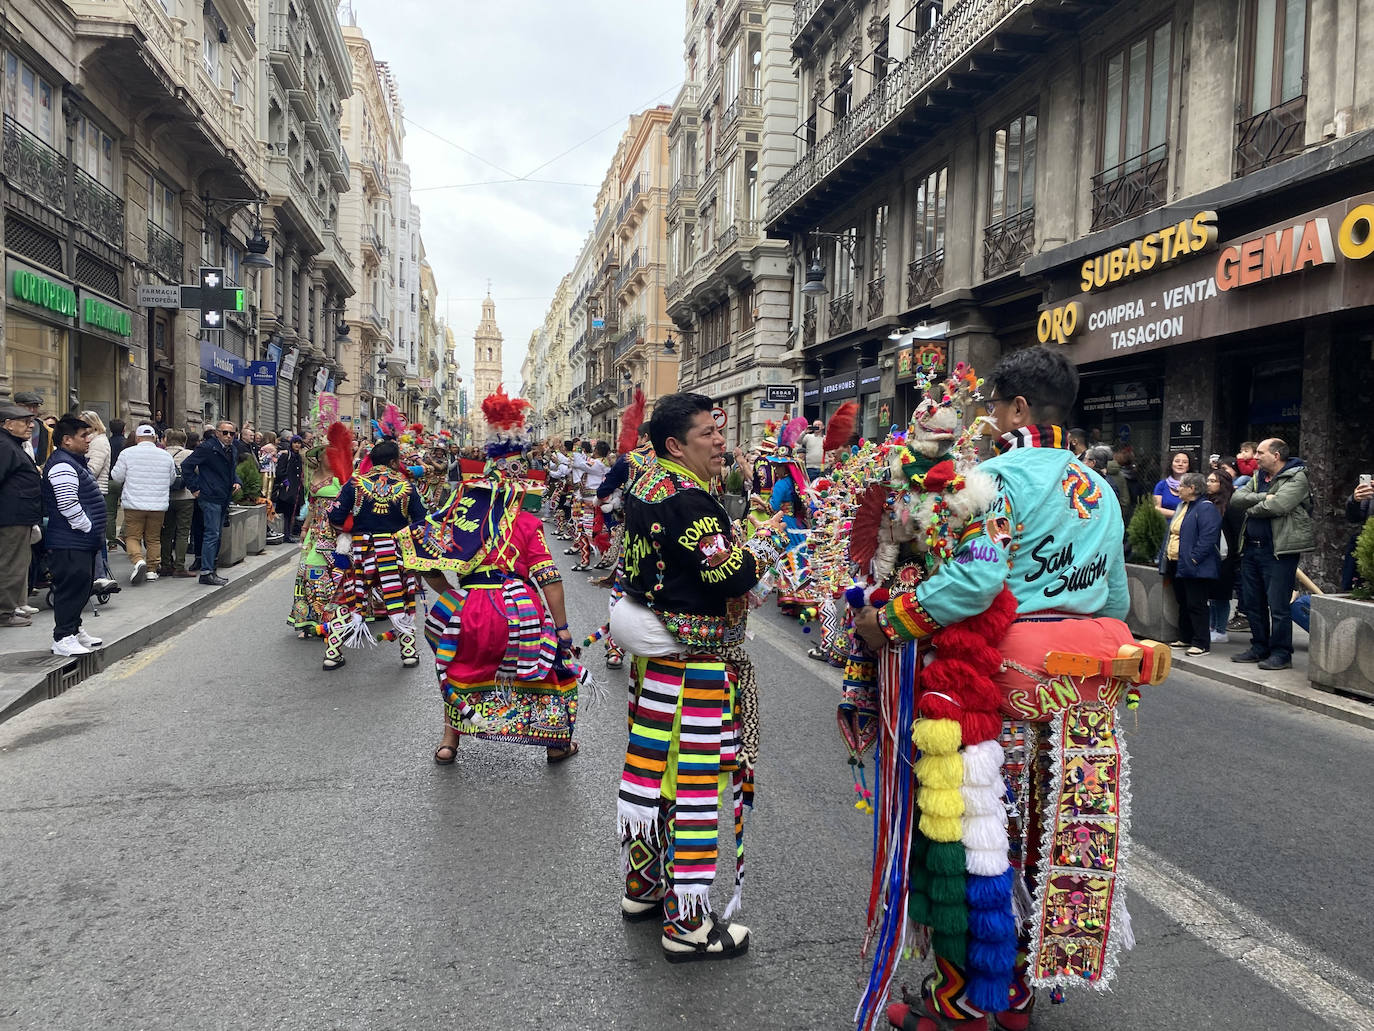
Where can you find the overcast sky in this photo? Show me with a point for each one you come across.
(517, 83)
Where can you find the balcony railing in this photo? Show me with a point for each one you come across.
(842, 314)
(368, 383)
(1006, 244)
(372, 239)
(630, 337)
(36, 168)
(627, 202)
(808, 327)
(875, 298)
(374, 315)
(1270, 136)
(953, 36)
(166, 254)
(1131, 188)
(628, 270)
(285, 48)
(686, 183)
(741, 231)
(99, 210)
(925, 277)
(802, 10)
(749, 103)
(716, 355)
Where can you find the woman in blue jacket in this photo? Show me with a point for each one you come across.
(1192, 559)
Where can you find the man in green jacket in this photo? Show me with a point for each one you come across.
(1276, 530)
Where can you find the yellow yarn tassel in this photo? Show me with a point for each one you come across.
(937, 737)
(946, 802)
(940, 771)
(941, 803)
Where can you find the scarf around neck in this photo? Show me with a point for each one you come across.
(1032, 436)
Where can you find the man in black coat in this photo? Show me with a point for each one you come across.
(212, 479)
(21, 509)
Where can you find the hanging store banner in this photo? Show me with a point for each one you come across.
(262, 373)
(1317, 263)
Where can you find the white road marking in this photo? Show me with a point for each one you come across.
(1309, 979)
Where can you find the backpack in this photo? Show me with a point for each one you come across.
(178, 481)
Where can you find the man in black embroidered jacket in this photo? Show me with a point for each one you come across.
(686, 576)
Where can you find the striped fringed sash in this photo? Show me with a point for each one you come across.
(696, 695)
(376, 566)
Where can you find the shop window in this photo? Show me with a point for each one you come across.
(1273, 104)
(34, 359)
(1134, 150)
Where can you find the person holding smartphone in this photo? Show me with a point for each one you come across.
(1359, 509)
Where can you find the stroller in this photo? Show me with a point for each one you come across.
(102, 587)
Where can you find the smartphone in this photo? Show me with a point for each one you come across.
(1366, 479)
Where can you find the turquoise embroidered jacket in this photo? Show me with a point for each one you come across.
(1053, 535)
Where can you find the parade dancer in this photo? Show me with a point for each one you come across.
(693, 706)
(559, 467)
(1026, 725)
(318, 576)
(498, 628)
(593, 472)
(371, 508)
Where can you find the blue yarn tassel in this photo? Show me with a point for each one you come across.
(992, 940)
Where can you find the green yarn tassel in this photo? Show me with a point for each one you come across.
(918, 907)
(947, 891)
(953, 947)
(945, 858)
(948, 919)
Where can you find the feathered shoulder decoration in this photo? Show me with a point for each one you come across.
(840, 427)
(793, 431)
(630, 423)
(393, 422)
(338, 453)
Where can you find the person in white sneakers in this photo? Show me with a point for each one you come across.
(76, 527)
(147, 473)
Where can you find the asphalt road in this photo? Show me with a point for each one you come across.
(215, 833)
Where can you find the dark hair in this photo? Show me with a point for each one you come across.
(1044, 377)
(68, 426)
(1080, 434)
(568, 444)
(117, 427)
(1225, 487)
(385, 453)
(1280, 448)
(208, 434)
(673, 417)
(602, 449)
(1247, 445)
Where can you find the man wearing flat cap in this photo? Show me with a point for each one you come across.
(40, 440)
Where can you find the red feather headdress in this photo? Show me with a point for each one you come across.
(338, 453)
(630, 423)
(840, 427)
(504, 412)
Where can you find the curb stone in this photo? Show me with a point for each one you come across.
(41, 676)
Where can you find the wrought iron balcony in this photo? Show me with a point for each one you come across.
(741, 231)
(34, 167)
(875, 298)
(372, 240)
(808, 327)
(925, 277)
(842, 314)
(166, 254)
(632, 335)
(749, 104)
(1131, 188)
(368, 383)
(99, 210)
(1008, 243)
(628, 270)
(686, 185)
(717, 355)
(1270, 136)
(374, 315)
(962, 28)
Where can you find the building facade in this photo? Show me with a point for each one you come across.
(1177, 194)
(730, 138)
(96, 203)
(308, 82)
(366, 228)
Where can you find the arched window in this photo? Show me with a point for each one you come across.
(489, 358)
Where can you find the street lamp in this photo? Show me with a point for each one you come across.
(815, 274)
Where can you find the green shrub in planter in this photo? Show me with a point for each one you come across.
(1146, 532)
(1364, 562)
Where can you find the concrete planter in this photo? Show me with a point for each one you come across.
(1341, 645)
(1154, 612)
(245, 535)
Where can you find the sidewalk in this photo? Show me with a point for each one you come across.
(133, 618)
(1287, 685)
